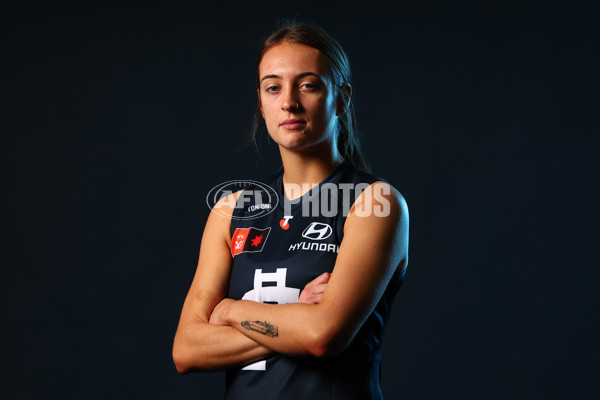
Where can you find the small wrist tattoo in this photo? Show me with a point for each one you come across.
(262, 327)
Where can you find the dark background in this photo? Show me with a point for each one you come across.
(119, 119)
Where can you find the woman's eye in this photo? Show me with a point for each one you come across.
(271, 89)
(308, 86)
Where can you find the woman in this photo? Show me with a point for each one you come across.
(245, 311)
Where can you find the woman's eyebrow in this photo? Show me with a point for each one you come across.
(302, 75)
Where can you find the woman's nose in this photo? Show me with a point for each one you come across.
(290, 102)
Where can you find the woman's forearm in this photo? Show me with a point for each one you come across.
(199, 346)
(292, 329)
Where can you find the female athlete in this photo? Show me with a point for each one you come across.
(293, 303)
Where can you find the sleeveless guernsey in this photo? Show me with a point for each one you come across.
(274, 256)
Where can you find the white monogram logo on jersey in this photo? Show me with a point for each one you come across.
(279, 294)
(240, 241)
(317, 231)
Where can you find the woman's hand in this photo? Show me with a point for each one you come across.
(312, 292)
(218, 315)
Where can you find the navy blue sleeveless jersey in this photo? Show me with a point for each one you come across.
(275, 255)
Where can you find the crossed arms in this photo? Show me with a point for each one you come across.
(215, 332)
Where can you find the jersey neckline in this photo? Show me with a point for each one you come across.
(307, 196)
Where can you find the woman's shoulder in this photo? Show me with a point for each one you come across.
(367, 184)
(381, 198)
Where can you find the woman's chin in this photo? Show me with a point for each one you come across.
(293, 140)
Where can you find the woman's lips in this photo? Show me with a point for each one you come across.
(292, 124)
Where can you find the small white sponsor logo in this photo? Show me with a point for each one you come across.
(324, 247)
(317, 231)
(259, 207)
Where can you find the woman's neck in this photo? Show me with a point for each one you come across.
(304, 170)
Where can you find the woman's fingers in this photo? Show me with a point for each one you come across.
(319, 289)
(323, 278)
(314, 290)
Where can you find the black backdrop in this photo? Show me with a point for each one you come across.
(118, 120)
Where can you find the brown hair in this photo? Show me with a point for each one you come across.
(314, 36)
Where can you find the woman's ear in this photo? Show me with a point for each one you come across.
(343, 100)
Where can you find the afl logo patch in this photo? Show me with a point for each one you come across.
(317, 231)
(248, 240)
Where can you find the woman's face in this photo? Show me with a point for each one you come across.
(298, 99)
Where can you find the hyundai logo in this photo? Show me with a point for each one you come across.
(317, 231)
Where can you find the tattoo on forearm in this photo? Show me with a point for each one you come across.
(262, 327)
